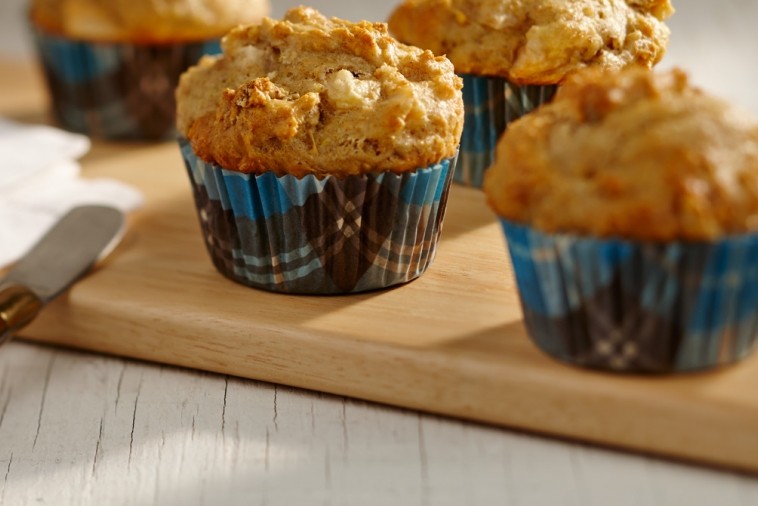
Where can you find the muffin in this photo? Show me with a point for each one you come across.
(630, 208)
(111, 66)
(512, 54)
(320, 153)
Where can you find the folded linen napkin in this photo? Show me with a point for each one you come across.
(40, 181)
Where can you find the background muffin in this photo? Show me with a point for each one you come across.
(512, 54)
(112, 66)
(320, 153)
(630, 205)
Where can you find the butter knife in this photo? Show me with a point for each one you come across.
(65, 254)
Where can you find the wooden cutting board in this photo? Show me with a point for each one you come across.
(451, 342)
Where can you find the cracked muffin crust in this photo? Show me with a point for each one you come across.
(309, 94)
(634, 154)
(536, 41)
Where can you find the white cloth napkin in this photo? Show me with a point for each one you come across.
(39, 183)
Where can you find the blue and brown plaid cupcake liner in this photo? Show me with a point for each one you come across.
(319, 236)
(637, 307)
(491, 103)
(116, 90)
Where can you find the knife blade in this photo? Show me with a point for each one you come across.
(65, 254)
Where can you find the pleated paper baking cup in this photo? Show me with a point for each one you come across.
(490, 103)
(637, 307)
(116, 90)
(319, 236)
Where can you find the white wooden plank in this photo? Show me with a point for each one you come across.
(169, 436)
(693, 486)
(467, 464)
(382, 452)
(82, 429)
(164, 453)
(748, 490)
(613, 478)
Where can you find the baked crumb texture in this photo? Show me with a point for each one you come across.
(633, 154)
(145, 21)
(536, 41)
(309, 94)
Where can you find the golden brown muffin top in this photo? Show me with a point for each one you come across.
(536, 41)
(309, 94)
(145, 20)
(635, 155)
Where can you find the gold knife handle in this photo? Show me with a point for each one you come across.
(18, 307)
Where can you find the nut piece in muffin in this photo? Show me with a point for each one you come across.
(320, 154)
(635, 155)
(145, 21)
(309, 94)
(536, 41)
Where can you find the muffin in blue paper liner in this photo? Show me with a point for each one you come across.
(116, 90)
(320, 153)
(633, 306)
(490, 104)
(313, 235)
(513, 54)
(630, 208)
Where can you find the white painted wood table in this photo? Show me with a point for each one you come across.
(79, 428)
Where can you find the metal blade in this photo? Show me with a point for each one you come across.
(68, 250)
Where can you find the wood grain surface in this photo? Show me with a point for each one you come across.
(451, 342)
(87, 429)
